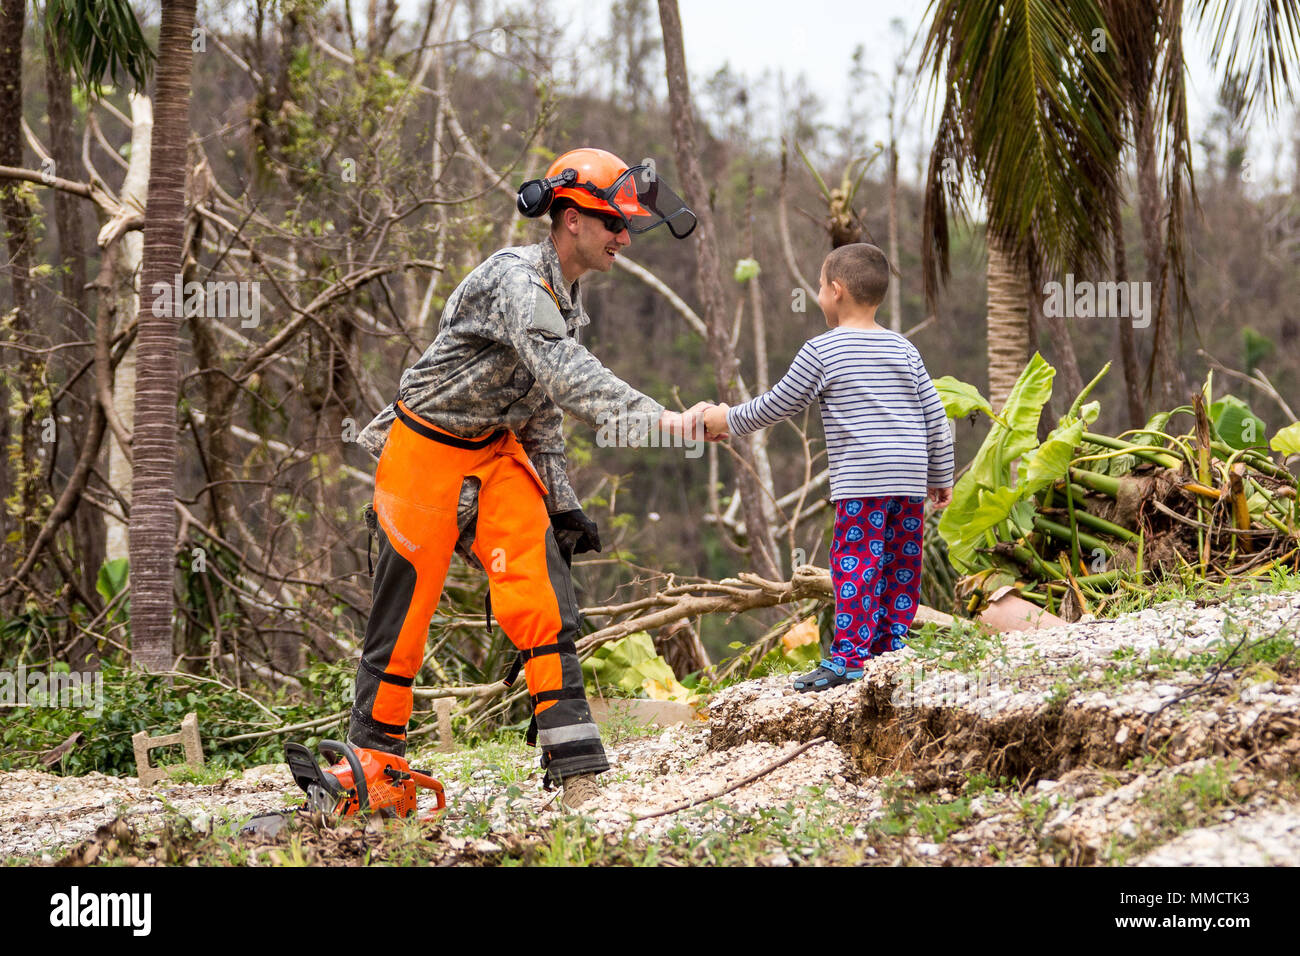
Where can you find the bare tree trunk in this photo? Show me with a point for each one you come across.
(761, 381)
(153, 453)
(1127, 344)
(710, 282)
(73, 323)
(895, 293)
(1164, 357)
(24, 464)
(126, 291)
(762, 462)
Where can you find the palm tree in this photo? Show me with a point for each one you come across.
(1038, 96)
(1008, 322)
(1030, 116)
(104, 37)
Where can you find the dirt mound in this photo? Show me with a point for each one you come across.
(1042, 704)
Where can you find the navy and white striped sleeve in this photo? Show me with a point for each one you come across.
(797, 390)
(938, 433)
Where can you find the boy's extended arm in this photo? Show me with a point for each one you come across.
(938, 432)
(799, 387)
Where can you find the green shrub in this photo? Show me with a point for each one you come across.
(134, 701)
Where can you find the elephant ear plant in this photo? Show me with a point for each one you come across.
(1080, 519)
(986, 497)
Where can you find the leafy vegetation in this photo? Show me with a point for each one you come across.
(134, 701)
(1080, 522)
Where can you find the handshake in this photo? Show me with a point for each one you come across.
(702, 420)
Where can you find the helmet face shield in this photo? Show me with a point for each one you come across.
(645, 201)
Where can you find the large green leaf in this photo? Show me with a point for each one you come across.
(1017, 431)
(1287, 440)
(1235, 424)
(960, 398)
(983, 496)
(626, 665)
(1050, 460)
(983, 509)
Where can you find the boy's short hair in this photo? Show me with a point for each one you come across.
(862, 269)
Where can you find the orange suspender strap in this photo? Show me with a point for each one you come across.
(551, 292)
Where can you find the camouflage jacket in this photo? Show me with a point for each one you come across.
(506, 354)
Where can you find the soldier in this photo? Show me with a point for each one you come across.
(471, 458)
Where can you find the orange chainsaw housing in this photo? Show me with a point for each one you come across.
(390, 784)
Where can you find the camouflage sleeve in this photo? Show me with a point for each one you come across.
(569, 374)
(543, 439)
(373, 436)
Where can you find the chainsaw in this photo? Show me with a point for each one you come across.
(345, 793)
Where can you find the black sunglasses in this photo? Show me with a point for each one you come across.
(613, 223)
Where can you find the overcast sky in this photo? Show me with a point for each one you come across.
(816, 38)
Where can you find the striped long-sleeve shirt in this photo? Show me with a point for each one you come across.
(886, 431)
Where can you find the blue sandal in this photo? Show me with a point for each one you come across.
(827, 674)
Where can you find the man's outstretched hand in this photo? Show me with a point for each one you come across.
(690, 423)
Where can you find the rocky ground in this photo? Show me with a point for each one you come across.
(1168, 737)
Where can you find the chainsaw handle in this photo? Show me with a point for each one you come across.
(424, 780)
(336, 749)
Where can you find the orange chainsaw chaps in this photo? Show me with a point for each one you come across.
(417, 492)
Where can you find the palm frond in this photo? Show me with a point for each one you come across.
(98, 39)
(1033, 117)
(1260, 39)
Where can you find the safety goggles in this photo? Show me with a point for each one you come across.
(643, 201)
(613, 223)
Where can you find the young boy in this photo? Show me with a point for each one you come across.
(888, 443)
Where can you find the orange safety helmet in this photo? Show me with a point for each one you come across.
(601, 169)
(597, 180)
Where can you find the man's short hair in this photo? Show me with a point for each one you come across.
(862, 269)
(556, 212)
